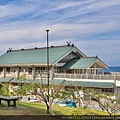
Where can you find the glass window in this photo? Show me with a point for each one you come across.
(30, 71)
(20, 69)
(8, 70)
(37, 69)
(1, 70)
(40, 69)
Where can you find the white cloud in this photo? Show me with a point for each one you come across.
(35, 33)
(107, 50)
(15, 10)
(65, 5)
(103, 4)
(23, 24)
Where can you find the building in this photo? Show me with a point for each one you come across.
(65, 63)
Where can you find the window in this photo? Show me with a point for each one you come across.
(107, 90)
(30, 71)
(21, 69)
(8, 70)
(37, 69)
(58, 70)
(1, 69)
(40, 69)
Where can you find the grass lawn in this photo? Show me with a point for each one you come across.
(37, 108)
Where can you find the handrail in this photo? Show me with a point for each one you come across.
(90, 76)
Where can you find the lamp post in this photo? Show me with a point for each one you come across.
(48, 68)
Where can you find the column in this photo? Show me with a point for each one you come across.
(33, 72)
(4, 72)
(94, 69)
(51, 72)
(86, 71)
(17, 72)
(115, 90)
(103, 71)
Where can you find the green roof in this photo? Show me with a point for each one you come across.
(80, 83)
(6, 80)
(60, 81)
(51, 82)
(90, 84)
(80, 63)
(21, 81)
(33, 56)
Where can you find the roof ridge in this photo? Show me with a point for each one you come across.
(90, 57)
(36, 48)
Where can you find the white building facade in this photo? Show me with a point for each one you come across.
(65, 63)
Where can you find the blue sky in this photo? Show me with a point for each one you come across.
(92, 25)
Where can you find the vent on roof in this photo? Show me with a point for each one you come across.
(72, 45)
(52, 46)
(10, 49)
(68, 43)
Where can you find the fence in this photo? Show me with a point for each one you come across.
(84, 76)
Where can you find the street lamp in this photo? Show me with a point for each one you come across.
(48, 68)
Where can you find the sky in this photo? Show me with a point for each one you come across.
(92, 25)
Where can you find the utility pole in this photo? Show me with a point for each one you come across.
(48, 69)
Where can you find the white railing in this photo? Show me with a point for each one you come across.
(84, 76)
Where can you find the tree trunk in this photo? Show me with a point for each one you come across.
(49, 109)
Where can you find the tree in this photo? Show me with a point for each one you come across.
(4, 89)
(107, 102)
(23, 89)
(77, 95)
(55, 91)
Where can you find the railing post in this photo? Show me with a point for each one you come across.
(100, 76)
(86, 76)
(107, 77)
(114, 77)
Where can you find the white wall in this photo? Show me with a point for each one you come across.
(117, 83)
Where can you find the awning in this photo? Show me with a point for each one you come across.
(60, 81)
(57, 81)
(51, 82)
(90, 84)
(80, 83)
(5, 80)
(21, 81)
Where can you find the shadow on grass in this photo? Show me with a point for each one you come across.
(26, 111)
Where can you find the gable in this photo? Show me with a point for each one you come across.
(84, 63)
(98, 64)
(73, 53)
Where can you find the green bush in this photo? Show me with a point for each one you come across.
(4, 89)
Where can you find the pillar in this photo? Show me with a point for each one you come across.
(87, 71)
(51, 72)
(94, 69)
(103, 71)
(17, 72)
(33, 72)
(4, 72)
